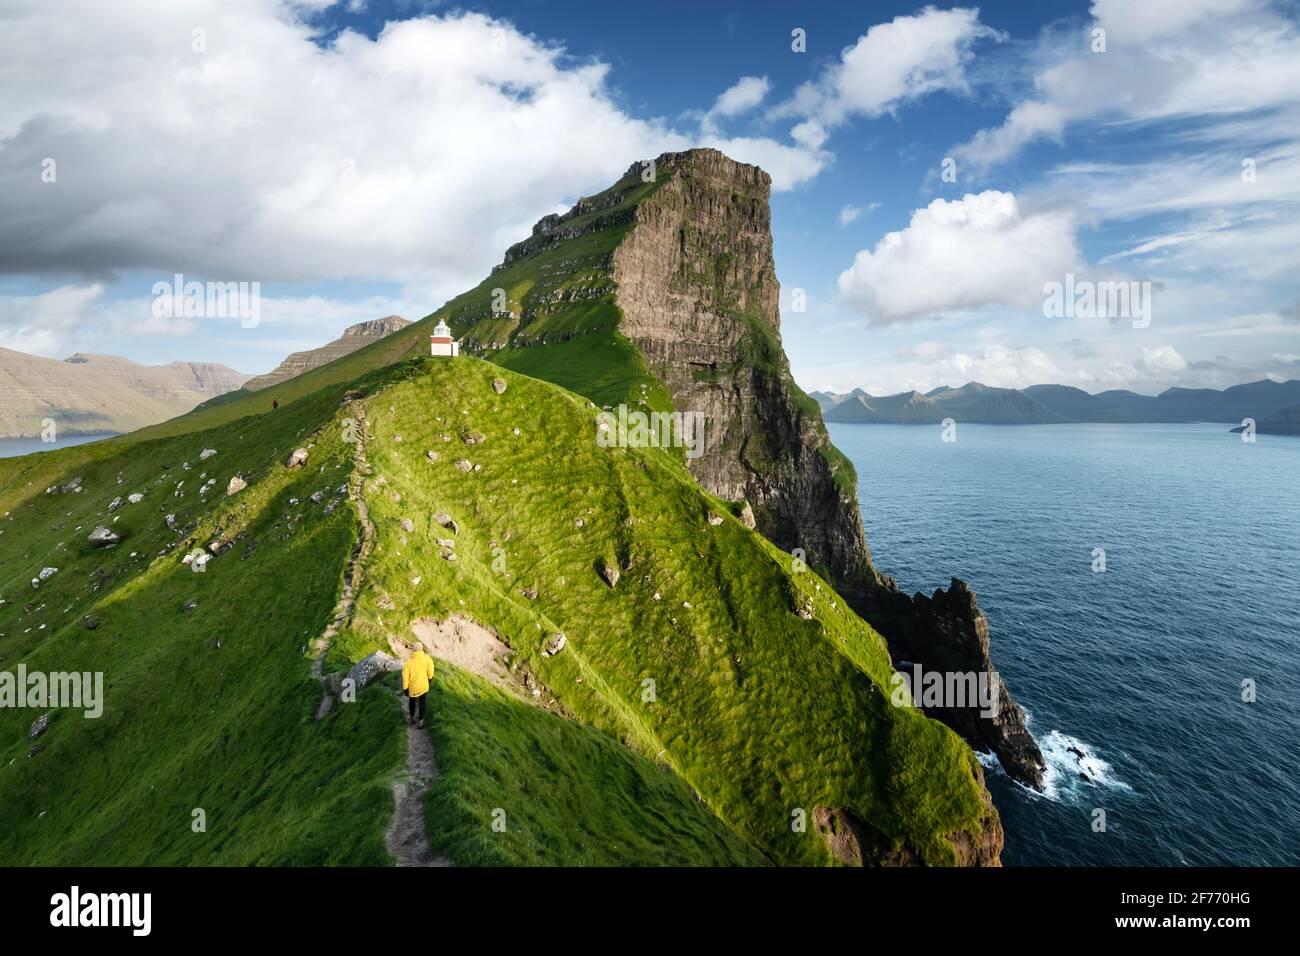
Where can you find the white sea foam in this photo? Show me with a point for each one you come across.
(1069, 760)
(1064, 759)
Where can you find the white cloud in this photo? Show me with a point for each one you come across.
(892, 64)
(1166, 59)
(1162, 360)
(852, 213)
(418, 155)
(999, 366)
(743, 96)
(928, 351)
(967, 253)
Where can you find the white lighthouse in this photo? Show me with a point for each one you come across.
(441, 342)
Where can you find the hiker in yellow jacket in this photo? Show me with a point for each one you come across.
(416, 674)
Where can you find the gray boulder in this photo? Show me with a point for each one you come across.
(103, 538)
(371, 666)
(38, 726)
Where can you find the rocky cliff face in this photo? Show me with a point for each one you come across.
(698, 290)
(353, 337)
(679, 272)
(697, 286)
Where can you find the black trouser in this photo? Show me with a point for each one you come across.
(413, 702)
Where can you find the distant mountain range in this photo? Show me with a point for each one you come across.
(95, 394)
(1275, 406)
(353, 338)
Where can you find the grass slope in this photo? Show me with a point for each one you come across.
(760, 710)
(211, 709)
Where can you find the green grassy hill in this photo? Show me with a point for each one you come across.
(769, 696)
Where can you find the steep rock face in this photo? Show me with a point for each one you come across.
(697, 286)
(665, 287)
(948, 632)
(353, 338)
(698, 290)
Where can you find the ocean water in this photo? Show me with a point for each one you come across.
(13, 447)
(1139, 668)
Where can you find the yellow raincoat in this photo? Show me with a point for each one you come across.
(416, 674)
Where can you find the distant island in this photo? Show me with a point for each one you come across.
(1274, 406)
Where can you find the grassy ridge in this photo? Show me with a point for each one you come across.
(759, 710)
(208, 709)
(212, 709)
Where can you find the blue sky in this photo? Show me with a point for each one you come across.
(358, 159)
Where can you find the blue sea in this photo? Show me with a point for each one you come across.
(13, 447)
(1140, 667)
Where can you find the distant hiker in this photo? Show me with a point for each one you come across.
(416, 674)
(275, 403)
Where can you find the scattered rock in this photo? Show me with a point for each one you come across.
(72, 484)
(463, 465)
(385, 603)
(747, 516)
(47, 573)
(447, 521)
(431, 455)
(578, 523)
(609, 573)
(407, 525)
(554, 645)
(135, 499)
(446, 542)
(38, 726)
(103, 538)
(715, 520)
(207, 453)
(237, 484)
(170, 521)
(189, 605)
(530, 593)
(114, 505)
(371, 666)
(318, 496)
(297, 459)
(91, 622)
(498, 386)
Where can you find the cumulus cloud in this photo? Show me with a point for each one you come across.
(980, 250)
(225, 139)
(891, 64)
(743, 96)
